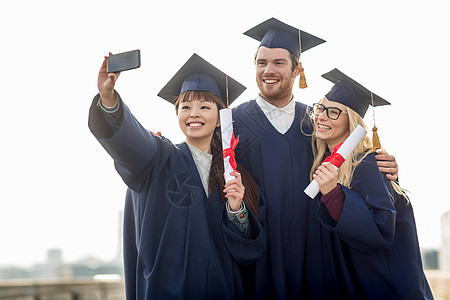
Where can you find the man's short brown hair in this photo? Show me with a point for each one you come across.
(294, 59)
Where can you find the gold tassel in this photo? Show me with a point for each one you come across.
(375, 139)
(302, 80)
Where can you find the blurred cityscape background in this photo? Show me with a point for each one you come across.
(89, 278)
(92, 278)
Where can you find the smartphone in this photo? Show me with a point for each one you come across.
(123, 61)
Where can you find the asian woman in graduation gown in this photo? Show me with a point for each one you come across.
(186, 232)
(373, 237)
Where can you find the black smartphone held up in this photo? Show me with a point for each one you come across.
(123, 61)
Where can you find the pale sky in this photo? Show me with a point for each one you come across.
(59, 189)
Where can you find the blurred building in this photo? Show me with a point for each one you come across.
(119, 255)
(53, 267)
(430, 259)
(444, 258)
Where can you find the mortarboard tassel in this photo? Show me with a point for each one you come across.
(375, 138)
(302, 80)
(226, 85)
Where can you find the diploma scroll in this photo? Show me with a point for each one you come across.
(228, 142)
(344, 151)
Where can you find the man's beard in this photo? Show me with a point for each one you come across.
(274, 97)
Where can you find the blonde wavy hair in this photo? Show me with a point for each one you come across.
(364, 148)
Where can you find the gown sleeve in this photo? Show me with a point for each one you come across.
(367, 222)
(334, 202)
(133, 148)
(246, 250)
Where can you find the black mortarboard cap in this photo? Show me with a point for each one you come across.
(273, 33)
(350, 93)
(199, 75)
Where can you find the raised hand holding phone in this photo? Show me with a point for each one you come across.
(105, 84)
(110, 71)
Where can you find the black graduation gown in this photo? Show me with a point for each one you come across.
(280, 165)
(178, 243)
(375, 246)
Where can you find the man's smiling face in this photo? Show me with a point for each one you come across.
(274, 75)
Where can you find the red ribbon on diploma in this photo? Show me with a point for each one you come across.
(230, 152)
(335, 158)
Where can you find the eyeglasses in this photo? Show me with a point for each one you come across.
(333, 113)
